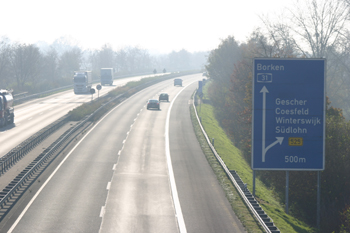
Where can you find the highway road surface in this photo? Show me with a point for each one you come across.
(136, 170)
(32, 116)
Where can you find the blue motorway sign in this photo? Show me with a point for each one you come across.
(200, 88)
(288, 114)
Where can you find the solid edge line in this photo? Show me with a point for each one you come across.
(178, 211)
(102, 212)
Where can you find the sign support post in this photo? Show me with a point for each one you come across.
(318, 199)
(253, 183)
(287, 191)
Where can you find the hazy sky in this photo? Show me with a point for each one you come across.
(162, 25)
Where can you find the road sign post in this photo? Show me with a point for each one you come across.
(92, 92)
(98, 87)
(288, 114)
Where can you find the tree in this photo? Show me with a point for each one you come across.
(319, 26)
(180, 60)
(64, 44)
(221, 61)
(25, 62)
(106, 57)
(138, 60)
(338, 72)
(50, 65)
(69, 62)
(121, 61)
(277, 42)
(221, 64)
(5, 71)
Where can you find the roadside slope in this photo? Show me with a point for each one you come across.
(234, 161)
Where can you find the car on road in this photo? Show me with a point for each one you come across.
(153, 103)
(164, 96)
(178, 82)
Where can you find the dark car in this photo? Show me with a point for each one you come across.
(178, 82)
(153, 104)
(164, 96)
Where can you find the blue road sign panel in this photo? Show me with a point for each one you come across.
(288, 114)
(200, 87)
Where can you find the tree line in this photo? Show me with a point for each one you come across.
(32, 68)
(312, 29)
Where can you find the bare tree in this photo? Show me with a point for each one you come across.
(5, 51)
(69, 62)
(347, 2)
(318, 24)
(133, 56)
(25, 62)
(277, 42)
(50, 65)
(146, 62)
(136, 59)
(121, 61)
(106, 56)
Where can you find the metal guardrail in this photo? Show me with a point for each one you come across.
(12, 192)
(247, 197)
(17, 153)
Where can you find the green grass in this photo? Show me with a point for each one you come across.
(235, 161)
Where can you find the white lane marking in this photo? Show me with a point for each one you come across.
(114, 166)
(178, 211)
(108, 185)
(119, 152)
(102, 213)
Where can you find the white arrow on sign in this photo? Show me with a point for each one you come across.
(279, 139)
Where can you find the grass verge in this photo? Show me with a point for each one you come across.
(234, 161)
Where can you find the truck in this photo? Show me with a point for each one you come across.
(107, 76)
(177, 82)
(82, 82)
(7, 115)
